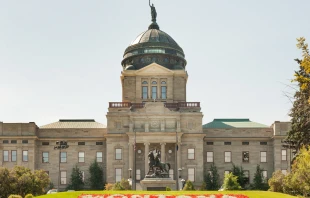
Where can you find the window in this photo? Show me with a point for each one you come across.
(265, 175)
(5, 156)
(154, 92)
(99, 143)
(63, 177)
(245, 156)
(245, 143)
(171, 173)
(99, 156)
(118, 154)
(144, 82)
(81, 157)
(138, 174)
(44, 157)
(191, 174)
(227, 156)
(154, 83)
(226, 172)
(163, 92)
(263, 156)
(45, 143)
(25, 141)
(81, 143)
(118, 174)
(5, 141)
(209, 143)
(25, 156)
(13, 141)
(63, 157)
(190, 153)
(246, 176)
(144, 92)
(210, 156)
(263, 143)
(227, 143)
(13, 156)
(284, 153)
(163, 82)
(284, 171)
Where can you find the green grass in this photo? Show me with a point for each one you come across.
(251, 194)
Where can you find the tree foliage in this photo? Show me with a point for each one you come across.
(189, 185)
(76, 179)
(259, 182)
(299, 134)
(238, 171)
(230, 182)
(96, 176)
(212, 179)
(276, 182)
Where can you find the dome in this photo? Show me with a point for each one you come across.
(154, 45)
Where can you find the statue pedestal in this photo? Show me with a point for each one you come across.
(157, 184)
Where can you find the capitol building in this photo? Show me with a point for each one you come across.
(154, 114)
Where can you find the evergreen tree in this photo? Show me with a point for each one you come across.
(96, 176)
(212, 178)
(76, 180)
(230, 182)
(238, 171)
(259, 182)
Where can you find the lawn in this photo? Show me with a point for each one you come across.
(251, 194)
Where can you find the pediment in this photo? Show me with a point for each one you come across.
(154, 69)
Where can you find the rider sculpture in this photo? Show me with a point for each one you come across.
(156, 167)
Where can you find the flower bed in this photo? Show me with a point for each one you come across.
(161, 196)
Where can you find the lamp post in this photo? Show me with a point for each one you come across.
(130, 169)
(59, 146)
(180, 169)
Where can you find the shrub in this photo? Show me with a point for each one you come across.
(118, 186)
(108, 186)
(189, 185)
(276, 181)
(125, 184)
(230, 182)
(15, 196)
(168, 188)
(29, 196)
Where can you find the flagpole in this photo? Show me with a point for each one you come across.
(134, 164)
(176, 160)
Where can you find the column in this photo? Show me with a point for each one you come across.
(163, 152)
(146, 153)
(131, 160)
(179, 155)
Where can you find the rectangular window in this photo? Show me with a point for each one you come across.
(265, 175)
(81, 143)
(63, 177)
(245, 156)
(45, 143)
(25, 156)
(99, 156)
(118, 154)
(5, 141)
(227, 156)
(81, 157)
(118, 174)
(154, 92)
(171, 173)
(5, 156)
(245, 143)
(164, 92)
(63, 157)
(226, 172)
(138, 174)
(190, 153)
(263, 156)
(25, 141)
(209, 156)
(209, 143)
(284, 153)
(144, 92)
(44, 157)
(99, 143)
(13, 141)
(227, 143)
(263, 143)
(13, 156)
(191, 174)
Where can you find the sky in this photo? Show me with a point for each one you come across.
(62, 59)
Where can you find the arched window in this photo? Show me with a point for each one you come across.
(144, 82)
(163, 82)
(154, 82)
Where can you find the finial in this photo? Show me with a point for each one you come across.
(154, 25)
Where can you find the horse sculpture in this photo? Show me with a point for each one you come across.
(158, 168)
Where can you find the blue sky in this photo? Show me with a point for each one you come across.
(61, 59)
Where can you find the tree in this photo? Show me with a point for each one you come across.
(189, 185)
(76, 180)
(276, 181)
(96, 176)
(5, 181)
(230, 182)
(238, 171)
(41, 180)
(259, 182)
(212, 179)
(300, 112)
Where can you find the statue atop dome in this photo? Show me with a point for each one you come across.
(153, 11)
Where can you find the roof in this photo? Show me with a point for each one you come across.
(74, 124)
(233, 123)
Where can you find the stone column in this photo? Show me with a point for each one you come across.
(146, 153)
(179, 155)
(163, 152)
(130, 160)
